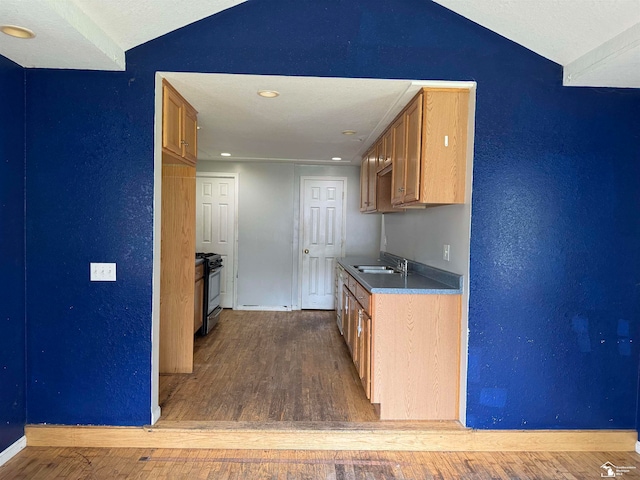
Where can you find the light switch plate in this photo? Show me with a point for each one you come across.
(103, 272)
(446, 251)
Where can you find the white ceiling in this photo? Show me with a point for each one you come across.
(303, 124)
(596, 41)
(94, 34)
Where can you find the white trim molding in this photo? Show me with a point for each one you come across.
(264, 308)
(637, 447)
(13, 449)
(156, 412)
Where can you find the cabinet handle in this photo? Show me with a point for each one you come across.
(184, 142)
(359, 322)
(401, 189)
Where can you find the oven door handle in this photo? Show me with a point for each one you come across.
(216, 270)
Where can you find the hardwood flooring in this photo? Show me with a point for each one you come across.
(268, 366)
(289, 371)
(39, 463)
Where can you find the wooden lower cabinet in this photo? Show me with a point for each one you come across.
(364, 351)
(345, 313)
(406, 349)
(177, 270)
(416, 356)
(352, 339)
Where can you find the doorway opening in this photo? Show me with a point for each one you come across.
(295, 290)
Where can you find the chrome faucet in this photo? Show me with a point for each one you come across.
(403, 267)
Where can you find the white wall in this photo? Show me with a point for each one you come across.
(420, 235)
(268, 218)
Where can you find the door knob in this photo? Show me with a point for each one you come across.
(306, 250)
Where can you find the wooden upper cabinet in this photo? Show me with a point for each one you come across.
(444, 153)
(398, 160)
(426, 148)
(388, 149)
(171, 120)
(413, 129)
(179, 128)
(372, 181)
(429, 168)
(364, 183)
(190, 145)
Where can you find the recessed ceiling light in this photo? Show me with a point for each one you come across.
(349, 132)
(225, 154)
(16, 31)
(268, 93)
(336, 158)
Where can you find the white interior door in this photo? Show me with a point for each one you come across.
(322, 240)
(216, 227)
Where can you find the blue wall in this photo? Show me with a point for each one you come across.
(89, 199)
(12, 299)
(554, 255)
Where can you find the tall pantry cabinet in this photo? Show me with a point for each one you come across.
(177, 238)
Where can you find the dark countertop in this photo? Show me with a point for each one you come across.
(430, 280)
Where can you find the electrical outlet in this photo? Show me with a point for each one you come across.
(446, 251)
(103, 272)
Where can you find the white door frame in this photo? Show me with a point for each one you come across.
(234, 301)
(301, 224)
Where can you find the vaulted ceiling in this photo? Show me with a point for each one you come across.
(596, 41)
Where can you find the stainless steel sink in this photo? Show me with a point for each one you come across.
(376, 269)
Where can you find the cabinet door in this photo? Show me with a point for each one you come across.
(444, 157)
(413, 126)
(379, 162)
(371, 180)
(364, 183)
(398, 161)
(346, 309)
(171, 120)
(190, 136)
(353, 324)
(364, 369)
(387, 154)
(357, 330)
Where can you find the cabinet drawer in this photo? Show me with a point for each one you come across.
(199, 271)
(363, 297)
(351, 284)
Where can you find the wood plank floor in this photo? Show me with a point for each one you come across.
(36, 463)
(268, 366)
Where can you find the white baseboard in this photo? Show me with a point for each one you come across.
(264, 308)
(637, 447)
(14, 449)
(155, 414)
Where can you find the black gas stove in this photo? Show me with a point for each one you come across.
(212, 281)
(214, 260)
